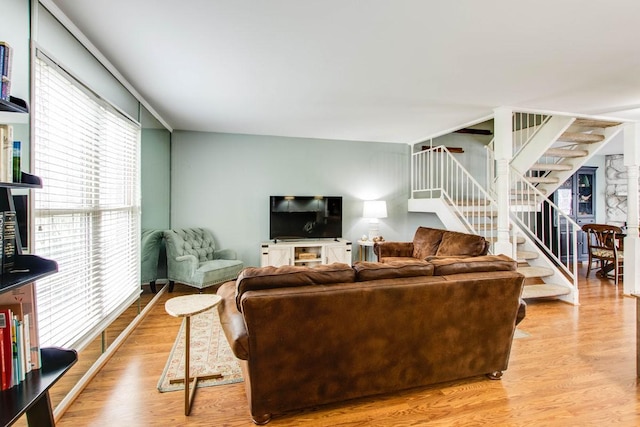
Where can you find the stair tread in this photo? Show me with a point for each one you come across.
(525, 255)
(479, 202)
(565, 153)
(593, 123)
(529, 272)
(479, 213)
(520, 192)
(519, 239)
(542, 179)
(544, 291)
(581, 137)
(550, 167)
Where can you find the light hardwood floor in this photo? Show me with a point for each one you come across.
(577, 368)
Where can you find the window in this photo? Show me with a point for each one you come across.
(87, 215)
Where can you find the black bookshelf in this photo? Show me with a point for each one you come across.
(12, 107)
(31, 396)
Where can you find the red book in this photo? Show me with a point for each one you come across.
(6, 349)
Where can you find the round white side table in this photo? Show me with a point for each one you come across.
(187, 306)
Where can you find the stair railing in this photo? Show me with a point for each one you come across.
(491, 166)
(552, 230)
(436, 173)
(524, 127)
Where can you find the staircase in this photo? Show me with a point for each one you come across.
(548, 150)
(555, 149)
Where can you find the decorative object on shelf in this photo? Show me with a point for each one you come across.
(374, 210)
(378, 239)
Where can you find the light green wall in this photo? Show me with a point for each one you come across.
(156, 178)
(223, 182)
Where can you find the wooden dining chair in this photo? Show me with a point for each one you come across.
(605, 246)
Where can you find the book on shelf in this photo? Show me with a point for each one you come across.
(8, 241)
(6, 349)
(6, 153)
(16, 350)
(21, 302)
(6, 59)
(16, 161)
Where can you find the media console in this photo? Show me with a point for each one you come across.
(305, 252)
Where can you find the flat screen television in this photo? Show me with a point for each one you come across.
(305, 217)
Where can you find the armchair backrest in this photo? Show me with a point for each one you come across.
(190, 241)
(426, 242)
(434, 241)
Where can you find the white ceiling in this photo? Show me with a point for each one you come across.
(377, 70)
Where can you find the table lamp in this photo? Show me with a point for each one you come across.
(374, 210)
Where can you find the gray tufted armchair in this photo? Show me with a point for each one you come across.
(192, 259)
(149, 256)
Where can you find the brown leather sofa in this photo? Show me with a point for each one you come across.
(310, 336)
(432, 242)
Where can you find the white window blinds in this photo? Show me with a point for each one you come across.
(87, 215)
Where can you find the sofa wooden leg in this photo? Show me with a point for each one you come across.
(496, 375)
(171, 283)
(152, 285)
(261, 419)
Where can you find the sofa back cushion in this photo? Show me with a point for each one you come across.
(426, 242)
(454, 243)
(476, 264)
(259, 278)
(391, 270)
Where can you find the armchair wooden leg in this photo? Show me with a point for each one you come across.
(171, 283)
(152, 285)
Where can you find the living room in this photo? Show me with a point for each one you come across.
(221, 177)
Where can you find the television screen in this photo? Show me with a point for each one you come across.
(305, 217)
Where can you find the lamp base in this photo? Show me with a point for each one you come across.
(374, 230)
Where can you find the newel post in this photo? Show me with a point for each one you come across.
(503, 149)
(632, 241)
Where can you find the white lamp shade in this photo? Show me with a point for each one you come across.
(374, 209)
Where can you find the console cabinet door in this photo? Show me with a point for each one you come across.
(279, 256)
(340, 253)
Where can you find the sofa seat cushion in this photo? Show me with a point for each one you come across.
(476, 264)
(391, 270)
(258, 278)
(454, 243)
(218, 270)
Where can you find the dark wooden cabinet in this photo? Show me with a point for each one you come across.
(576, 198)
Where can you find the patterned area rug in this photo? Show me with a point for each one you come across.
(210, 353)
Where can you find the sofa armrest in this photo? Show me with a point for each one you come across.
(393, 249)
(225, 254)
(522, 311)
(182, 267)
(232, 321)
